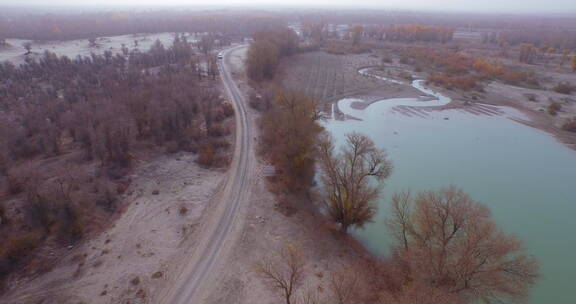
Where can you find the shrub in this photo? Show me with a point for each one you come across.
(207, 156)
(453, 63)
(570, 125)
(553, 108)
(218, 131)
(16, 248)
(183, 210)
(106, 198)
(406, 76)
(564, 88)
(16, 184)
(220, 144)
(135, 281)
(405, 60)
(465, 83)
(3, 219)
(256, 102)
(227, 109)
(531, 97)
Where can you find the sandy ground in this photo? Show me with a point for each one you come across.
(130, 261)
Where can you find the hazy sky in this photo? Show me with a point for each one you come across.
(508, 6)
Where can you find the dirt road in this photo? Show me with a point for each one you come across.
(194, 280)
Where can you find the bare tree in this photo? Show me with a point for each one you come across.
(357, 31)
(449, 242)
(284, 271)
(418, 293)
(28, 47)
(346, 287)
(347, 179)
(206, 44)
(92, 41)
(212, 65)
(311, 297)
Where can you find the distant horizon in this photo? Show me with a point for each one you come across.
(488, 7)
(96, 8)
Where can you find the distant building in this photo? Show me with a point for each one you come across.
(467, 36)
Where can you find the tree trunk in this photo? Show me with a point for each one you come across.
(344, 228)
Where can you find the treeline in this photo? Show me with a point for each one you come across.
(70, 129)
(559, 39)
(459, 71)
(266, 50)
(85, 25)
(410, 33)
(453, 20)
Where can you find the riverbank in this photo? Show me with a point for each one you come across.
(490, 103)
(492, 157)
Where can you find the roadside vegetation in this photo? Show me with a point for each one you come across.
(290, 130)
(72, 129)
(266, 51)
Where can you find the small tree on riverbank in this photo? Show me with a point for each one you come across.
(283, 272)
(353, 179)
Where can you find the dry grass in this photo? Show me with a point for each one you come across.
(328, 77)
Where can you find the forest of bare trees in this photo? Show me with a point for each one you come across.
(71, 129)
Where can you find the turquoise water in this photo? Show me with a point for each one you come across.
(525, 176)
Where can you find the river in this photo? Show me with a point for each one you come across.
(525, 176)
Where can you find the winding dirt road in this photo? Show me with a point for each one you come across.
(200, 270)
